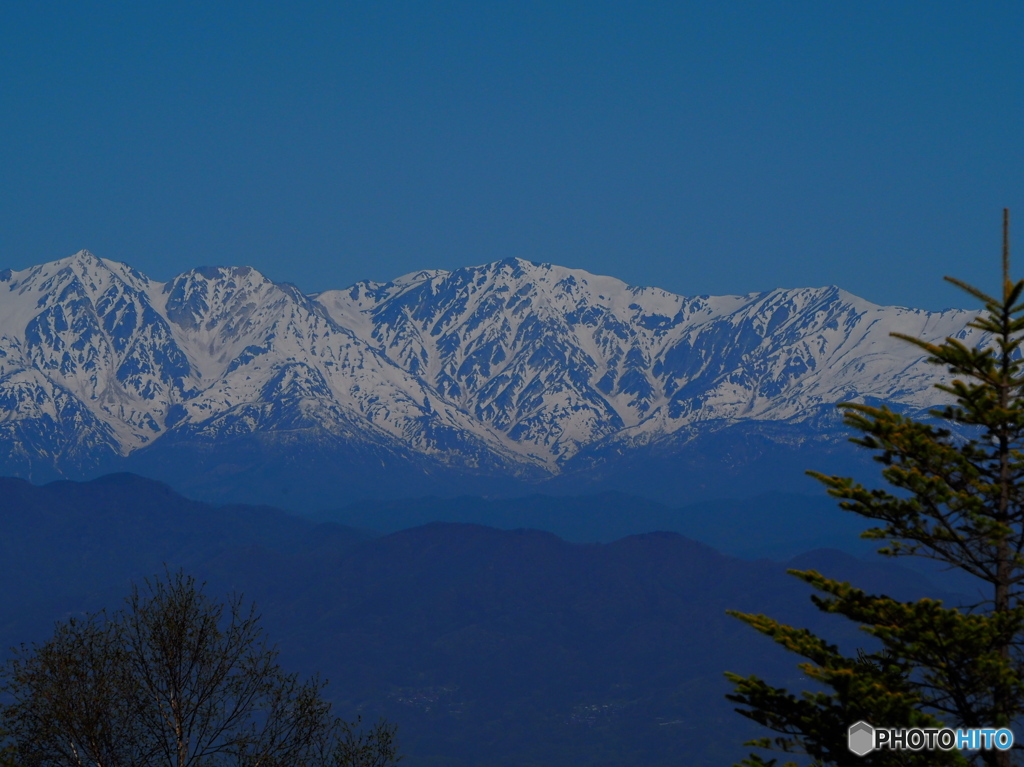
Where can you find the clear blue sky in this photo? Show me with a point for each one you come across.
(704, 147)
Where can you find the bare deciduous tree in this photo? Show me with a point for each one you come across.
(177, 679)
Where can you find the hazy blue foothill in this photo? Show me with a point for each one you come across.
(485, 646)
(772, 526)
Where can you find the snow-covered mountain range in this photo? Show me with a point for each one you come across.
(511, 368)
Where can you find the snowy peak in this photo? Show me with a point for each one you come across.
(512, 365)
(84, 328)
(553, 359)
(220, 312)
(222, 300)
(81, 275)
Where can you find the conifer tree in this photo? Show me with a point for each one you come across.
(957, 498)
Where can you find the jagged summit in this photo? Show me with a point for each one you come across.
(510, 367)
(93, 270)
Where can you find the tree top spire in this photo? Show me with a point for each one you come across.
(1007, 285)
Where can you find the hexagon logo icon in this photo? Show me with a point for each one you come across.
(860, 738)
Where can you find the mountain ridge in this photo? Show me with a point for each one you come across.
(512, 369)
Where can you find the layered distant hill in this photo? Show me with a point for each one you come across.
(488, 648)
(489, 379)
